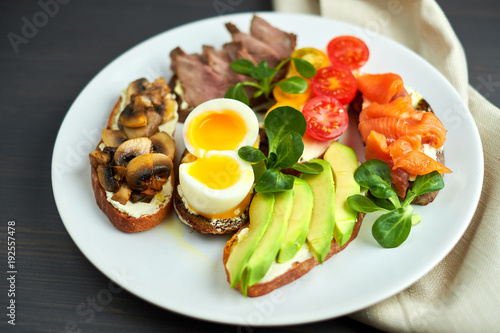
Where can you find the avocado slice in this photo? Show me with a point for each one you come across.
(298, 223)
(322, 223)
(268, 248)
(344, 162)
(260, 214)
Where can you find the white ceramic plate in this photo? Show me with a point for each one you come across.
(182, 271)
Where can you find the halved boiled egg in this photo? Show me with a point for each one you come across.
(220, 124)
(217, 185)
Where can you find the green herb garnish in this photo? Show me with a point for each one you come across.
(392, 228)
(284, 128)
(264, 76)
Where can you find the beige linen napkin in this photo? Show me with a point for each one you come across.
(461, 294)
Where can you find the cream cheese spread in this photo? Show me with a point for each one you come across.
(139, 209)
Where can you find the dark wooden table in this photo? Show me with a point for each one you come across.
(41, 73)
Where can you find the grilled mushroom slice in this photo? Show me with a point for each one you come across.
(113, 138)
(130, 149)
(153, 121)
(156, 90)
(163, 143)
(140, 197)
(119, 172)
(148, 172)
(111, 151)
(135, 88)
(131, 117)
(106, 177)
(99, 157)
(123, 193)
(163, 99)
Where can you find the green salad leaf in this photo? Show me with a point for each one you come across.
(272, 180)
(242, 66)
(238, 93)
(424, 184)
(362, 204)
(392, 228)
(284, 128)
(282, 120)
(263, 77)
(308, 167)
(293, 85)
(251, 154)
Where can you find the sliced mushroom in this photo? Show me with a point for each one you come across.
(140, 197)
(164, 144)
(111, 151)
(161, 110)
(131, 117)
(99, 157)
(135, 88)
(156, 90)
(153, 121)
(113, 138)
(106, 177)
(123, 194)
(142, 102)
(119, 172)
(130, 149)
(148, 172)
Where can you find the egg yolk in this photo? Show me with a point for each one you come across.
(217, 130)
(217, 172)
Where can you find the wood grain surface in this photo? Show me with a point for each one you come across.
(56, 286)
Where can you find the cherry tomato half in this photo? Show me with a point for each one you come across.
(334, 81)
(348, 51)
(326, 118)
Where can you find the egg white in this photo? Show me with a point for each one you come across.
(206, 200)
(219, 104)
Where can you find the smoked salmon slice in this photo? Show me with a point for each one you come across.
(399, 108)
(429, 128)
(376, 147)
(380, 88)
(413, 161)
(392, 128)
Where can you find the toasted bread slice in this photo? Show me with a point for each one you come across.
(139, 216)
(294, 269)
(203, 224)
(124, 221)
